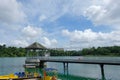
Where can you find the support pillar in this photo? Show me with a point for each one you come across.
(65, 68)
(102, 71)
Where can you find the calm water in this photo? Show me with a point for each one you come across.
(12, 65)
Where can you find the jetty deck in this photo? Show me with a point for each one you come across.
(80, 61)
(65, 62)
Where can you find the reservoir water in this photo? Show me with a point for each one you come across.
(112, 72)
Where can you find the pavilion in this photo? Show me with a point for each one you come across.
(37, 48)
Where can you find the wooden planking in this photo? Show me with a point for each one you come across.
(84, 61)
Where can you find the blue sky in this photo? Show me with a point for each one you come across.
(69, 24)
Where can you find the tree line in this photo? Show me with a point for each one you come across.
(99, 51)
(11, 51)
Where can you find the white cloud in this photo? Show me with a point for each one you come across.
(20, 43)
(95, 13)
(31, 32)
(46, 9)
(76, 7)
(86, 35)
(52, 10)
(100, 12)
(11, 12)
(89, 38)
(49, 43)
(42, 17)
(2, 43)
(106, 13)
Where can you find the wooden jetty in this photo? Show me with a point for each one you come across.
(78, 61)
(84, 61)
(39, 61)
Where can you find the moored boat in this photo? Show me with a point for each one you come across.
(17, 77)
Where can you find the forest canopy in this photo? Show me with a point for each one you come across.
(99, 51)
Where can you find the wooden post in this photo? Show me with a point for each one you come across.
(67, 71)
(64, 67)
(102, 71)
(67, 68)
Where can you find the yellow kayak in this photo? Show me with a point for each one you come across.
(10, 76)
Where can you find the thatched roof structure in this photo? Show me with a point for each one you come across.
(36, 45)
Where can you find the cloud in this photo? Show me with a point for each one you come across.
(76, 7)
(42, 17)
(95, 13)
(32, 32)
(104, 14)
(2, 43)
(89, 38)
(11, 12)
(100, 12)
(45, 9)
(86, 35)
(52, 10)
(49, 43)
(20, 43)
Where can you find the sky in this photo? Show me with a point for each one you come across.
(69, 24)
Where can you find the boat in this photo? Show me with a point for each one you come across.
(32, 73)
(18, 77)
(7, 77)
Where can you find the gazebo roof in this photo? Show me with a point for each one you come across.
(36, 45)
